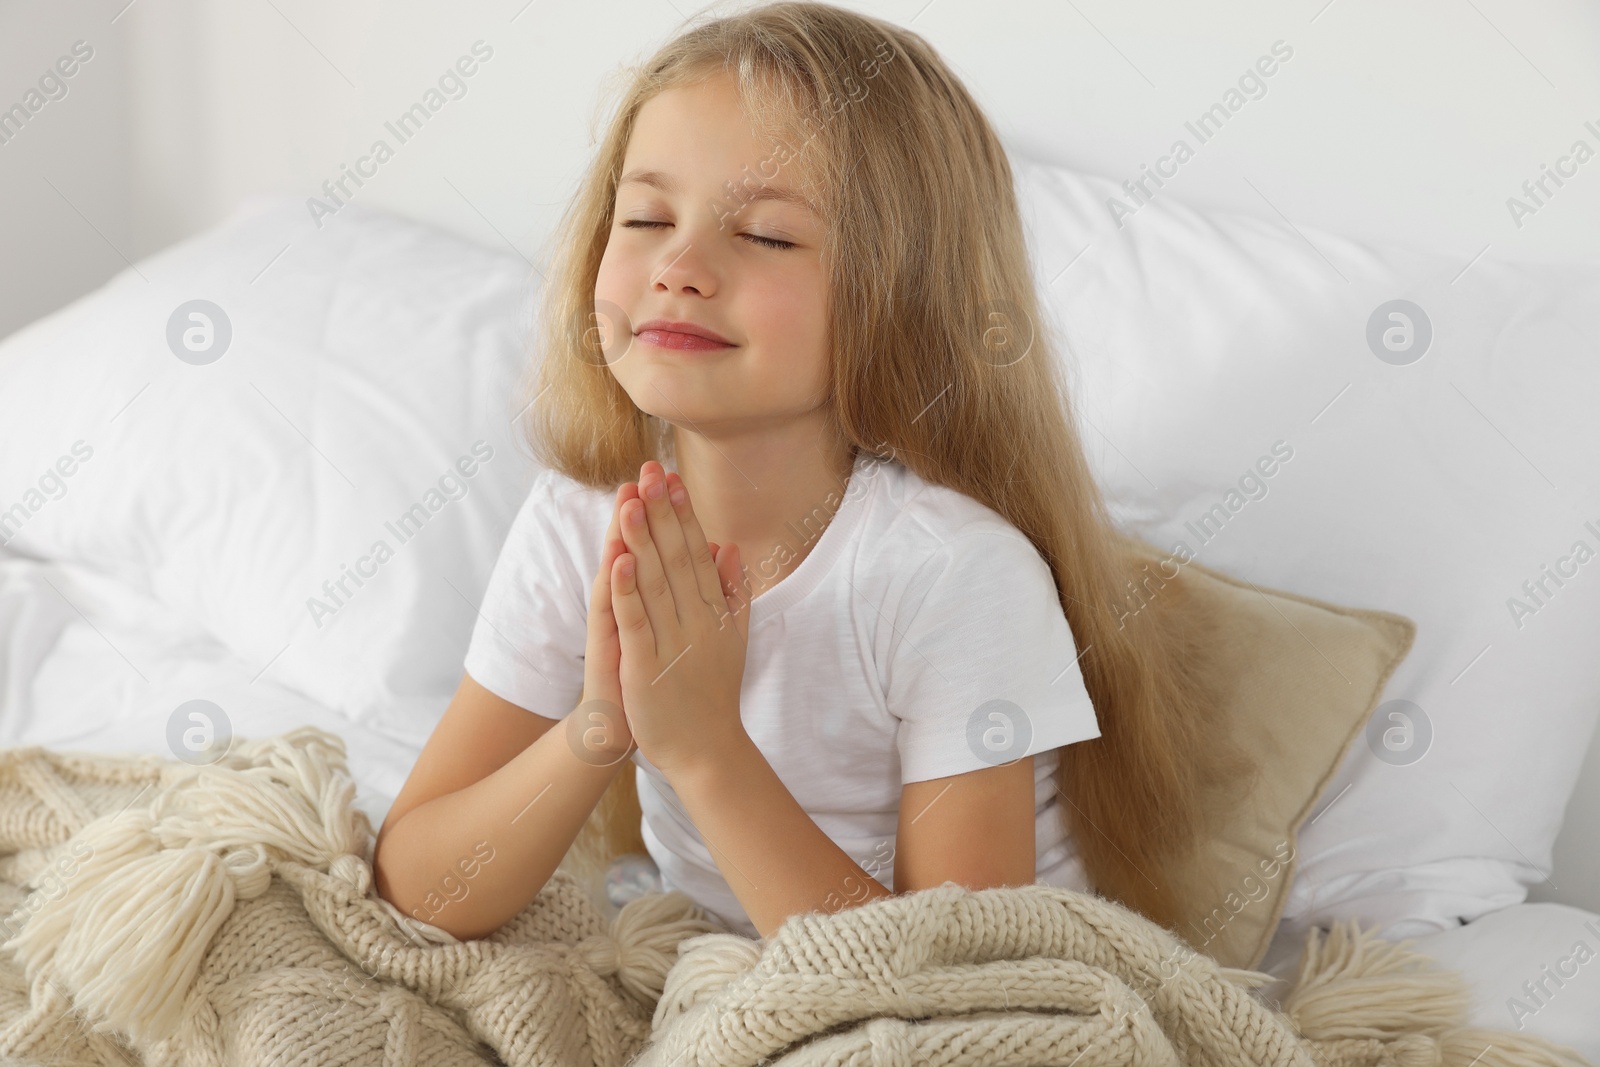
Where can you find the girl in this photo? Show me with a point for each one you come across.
(864, 635)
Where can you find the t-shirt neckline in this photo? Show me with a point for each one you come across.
(804, 578)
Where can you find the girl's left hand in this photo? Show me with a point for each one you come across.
(683, 622)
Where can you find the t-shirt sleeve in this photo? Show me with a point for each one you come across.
(983, 668)
(529, 639)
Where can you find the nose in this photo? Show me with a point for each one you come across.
(685, 270)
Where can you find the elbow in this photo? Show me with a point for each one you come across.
(427, 909)
(383, 878)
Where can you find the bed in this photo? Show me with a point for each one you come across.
(179, 520)
(91, 665)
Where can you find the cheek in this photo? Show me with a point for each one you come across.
(794, 339)
(612, 298)
(792, 310)
(608, 278)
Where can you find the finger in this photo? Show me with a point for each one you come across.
(600, 591)
(633, 622)
(671, 546)
(603, 646)
(600, 588)
(611, 546)
(625, 492)
(649, 579)
(701, 553)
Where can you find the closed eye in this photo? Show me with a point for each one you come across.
(770, 242)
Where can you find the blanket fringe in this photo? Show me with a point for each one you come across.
(151, 886)
(1356, 993)
(646, 934)
(706, 964)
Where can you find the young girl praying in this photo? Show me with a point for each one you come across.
(815, 549)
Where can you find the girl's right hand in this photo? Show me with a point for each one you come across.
(604, 736)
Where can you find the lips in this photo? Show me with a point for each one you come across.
(669, 333)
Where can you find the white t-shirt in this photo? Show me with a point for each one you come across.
(874, 663)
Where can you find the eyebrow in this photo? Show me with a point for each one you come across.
(657, 180)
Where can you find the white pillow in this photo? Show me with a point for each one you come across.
(368, 373)
(1221, 361)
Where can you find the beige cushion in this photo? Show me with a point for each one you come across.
(1301, 680)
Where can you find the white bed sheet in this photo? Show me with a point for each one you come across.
(1533, 967)
(88, 664)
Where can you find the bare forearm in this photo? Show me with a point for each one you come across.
(777, 861)
(469, 861)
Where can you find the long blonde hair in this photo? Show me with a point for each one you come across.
(930, 293)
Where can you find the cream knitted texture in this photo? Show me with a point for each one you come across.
(226, 914)
(164, 914)
(1042, 975)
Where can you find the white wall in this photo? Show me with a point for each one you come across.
(1408, 123)
(68, 159)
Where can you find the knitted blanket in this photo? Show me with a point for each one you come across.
(160, 913)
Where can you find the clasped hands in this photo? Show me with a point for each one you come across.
(668, 626)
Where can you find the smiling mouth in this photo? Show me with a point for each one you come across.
(686, 342)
